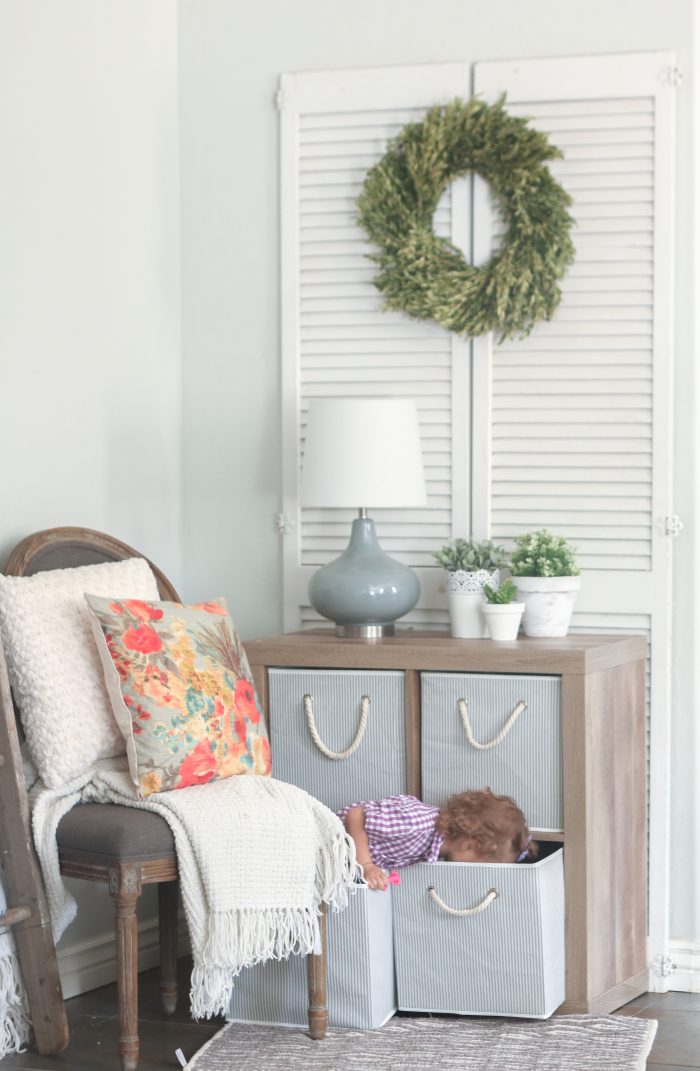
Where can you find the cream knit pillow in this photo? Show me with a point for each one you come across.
(53, 664)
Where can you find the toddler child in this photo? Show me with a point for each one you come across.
(472, 827)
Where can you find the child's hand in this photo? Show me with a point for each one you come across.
(375, 876)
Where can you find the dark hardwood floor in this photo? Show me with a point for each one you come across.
(93, 1021)
(677, 1041)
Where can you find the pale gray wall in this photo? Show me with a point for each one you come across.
(89, 285)
(89, 271)
(231, 56)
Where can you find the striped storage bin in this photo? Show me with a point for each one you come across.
(481, 939)
(477, 733)
(361, 979)
(338, 734)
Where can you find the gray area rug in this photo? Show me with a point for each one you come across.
(563, 1043)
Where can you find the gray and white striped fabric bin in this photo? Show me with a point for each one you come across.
(361, 978)
(476, 733)
(480, 938)
(356, 716)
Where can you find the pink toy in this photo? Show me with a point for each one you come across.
(394, 878)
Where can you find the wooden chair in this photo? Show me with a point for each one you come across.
(122, 846)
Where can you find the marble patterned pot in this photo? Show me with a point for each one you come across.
(549, 603)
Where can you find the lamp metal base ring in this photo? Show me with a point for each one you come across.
(365, 632)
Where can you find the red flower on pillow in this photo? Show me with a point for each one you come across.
(211, 608)
(142, 610)
(142, 639)
(244, 701)
(199, 766)
(116, 608)
(121, 664)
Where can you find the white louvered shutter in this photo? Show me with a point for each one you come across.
(337, 341)
(574, 428)
(569, 428)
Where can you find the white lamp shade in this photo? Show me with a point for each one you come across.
(362, 452)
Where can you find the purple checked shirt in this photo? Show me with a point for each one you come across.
(400, 830)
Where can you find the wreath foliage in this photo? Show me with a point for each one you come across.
(428, 277)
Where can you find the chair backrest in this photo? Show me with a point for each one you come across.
(65, 548)
(55, 548)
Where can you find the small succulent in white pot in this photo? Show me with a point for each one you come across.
(469, 565)
(543, 566)
(501, 611)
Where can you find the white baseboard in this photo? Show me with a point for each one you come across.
(92, 963)
(686, 976)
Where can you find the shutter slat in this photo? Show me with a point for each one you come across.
(521, 516)
(589, 459)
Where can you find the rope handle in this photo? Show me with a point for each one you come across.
(314, 734)
(519, 707)
(463, 912)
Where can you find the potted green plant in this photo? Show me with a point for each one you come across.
(501, 611)
(470, 565)
(543, 566)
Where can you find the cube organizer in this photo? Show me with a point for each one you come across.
(526, 764)
(466, 938)
(481, 938)
(376, 769)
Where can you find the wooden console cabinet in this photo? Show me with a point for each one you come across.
(599, 763)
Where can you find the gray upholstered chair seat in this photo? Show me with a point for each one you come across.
(111, 833)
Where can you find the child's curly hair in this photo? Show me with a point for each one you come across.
(495, 823)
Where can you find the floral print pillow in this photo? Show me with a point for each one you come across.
(181, 691)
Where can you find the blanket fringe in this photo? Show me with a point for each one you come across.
(14, 1015)
(335, 872)
(242, 938)
(246, 936)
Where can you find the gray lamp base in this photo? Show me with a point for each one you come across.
(364, 591)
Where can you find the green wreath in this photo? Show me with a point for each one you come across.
(428, 277)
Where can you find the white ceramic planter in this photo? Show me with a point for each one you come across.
(549, 603)
(503, 621)
(465, 594)
(466, 619)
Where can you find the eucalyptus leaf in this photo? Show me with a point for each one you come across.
(470, 556)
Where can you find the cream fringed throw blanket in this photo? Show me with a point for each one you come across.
(14, 1018)
(14, 1024)
(256, 859)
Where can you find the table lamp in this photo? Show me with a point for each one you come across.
(364, 453)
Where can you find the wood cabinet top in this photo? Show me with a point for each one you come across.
(438, 651)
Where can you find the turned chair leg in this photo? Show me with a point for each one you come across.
(125, 888)
(167, 928)
(316, 968)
